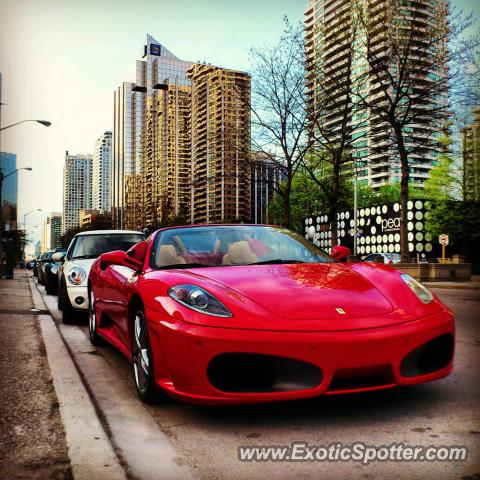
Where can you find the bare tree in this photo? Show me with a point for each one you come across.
(279, 119)
(335, 111)
(419, 69)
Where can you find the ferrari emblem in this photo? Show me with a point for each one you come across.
(341, 311)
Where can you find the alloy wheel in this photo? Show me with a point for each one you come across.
(92, 317)
(141, 362)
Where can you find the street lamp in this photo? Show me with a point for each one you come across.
(28, 213)
(45, 123)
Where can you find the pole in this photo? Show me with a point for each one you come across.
(355, 212)
(443, 252)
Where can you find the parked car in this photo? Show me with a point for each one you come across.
(50, 269)
(387, 258)
(30, 264)
(35, 266)
(45, 277)
(220, 314)
(45, 259)
(83, 250)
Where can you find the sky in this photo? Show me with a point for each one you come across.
(61, 60)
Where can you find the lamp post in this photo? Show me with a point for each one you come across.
(28, 213)
(45, 123)
(25, 226)
(355, 210)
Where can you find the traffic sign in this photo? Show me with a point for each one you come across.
(443, 239)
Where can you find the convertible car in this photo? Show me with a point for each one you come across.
(226, 314)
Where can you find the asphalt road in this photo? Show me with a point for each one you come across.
(206, 439)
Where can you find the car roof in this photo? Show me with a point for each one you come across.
(107, 232)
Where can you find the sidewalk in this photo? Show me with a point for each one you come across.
(32, 437)
(473, 284)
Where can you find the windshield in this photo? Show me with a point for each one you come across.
(92, 246)
(232, 245)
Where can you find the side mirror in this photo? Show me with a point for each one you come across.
(58, 257)
(138, 251)
(339, 252)
(119, 257)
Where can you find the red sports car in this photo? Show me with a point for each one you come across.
(254, 313)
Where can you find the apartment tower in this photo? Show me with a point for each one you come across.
(329, 37)
(145, 143)
(101, 173)
(77, 188)
(180, 143)
(220, 145)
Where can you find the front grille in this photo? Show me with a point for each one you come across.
(251, 372)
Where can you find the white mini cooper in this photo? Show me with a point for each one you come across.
(82, 252)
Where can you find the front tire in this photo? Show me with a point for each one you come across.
(68, 313)
(95, 339)
(142, 361)
(50, 285)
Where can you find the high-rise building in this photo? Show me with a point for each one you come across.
(220, 145)
(143, 136)
(265, 177)
(160, 148)
(77, 188)
(471, 155)
(101, 173)
(9, 193)
(329, 38)
(51, 232)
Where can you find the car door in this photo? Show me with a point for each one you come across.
(117, 281)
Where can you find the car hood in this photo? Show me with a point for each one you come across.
(315, 291)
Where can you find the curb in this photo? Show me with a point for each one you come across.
(89, 448)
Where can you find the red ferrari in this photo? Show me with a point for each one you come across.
(253, 313)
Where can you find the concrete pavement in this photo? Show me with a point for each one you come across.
(32, 437)
(204, 441)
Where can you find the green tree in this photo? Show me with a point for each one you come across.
(440, 184)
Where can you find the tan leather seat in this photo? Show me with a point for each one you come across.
(167, 255)
(239, 253)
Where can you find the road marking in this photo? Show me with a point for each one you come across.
(89, 448)
(145, 450)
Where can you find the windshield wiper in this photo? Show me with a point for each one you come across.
(186, 265)
(276, 261)
(82, 257)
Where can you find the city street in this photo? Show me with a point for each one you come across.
(173, 440)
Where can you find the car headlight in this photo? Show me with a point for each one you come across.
(422, 292)
(198, 299)
(76, 276)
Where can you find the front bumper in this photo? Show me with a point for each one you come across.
(183, 353)
(78, 297)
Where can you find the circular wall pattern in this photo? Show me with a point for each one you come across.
(396, 207)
